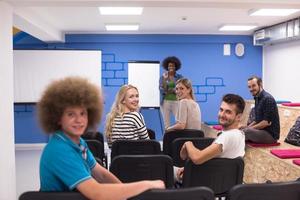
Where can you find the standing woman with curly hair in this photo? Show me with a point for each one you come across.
(167, 82)
(67, 107)
(125, 122)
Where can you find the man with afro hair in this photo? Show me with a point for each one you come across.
(66, 109)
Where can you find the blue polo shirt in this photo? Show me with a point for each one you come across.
(266, 109)
(64, 164)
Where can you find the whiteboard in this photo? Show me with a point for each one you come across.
(145, 76)
(35, 69)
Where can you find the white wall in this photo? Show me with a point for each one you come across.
(281, 70)
(27, 169)
(7, 154)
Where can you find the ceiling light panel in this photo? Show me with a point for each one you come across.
(121, 10)
(237, 27)
(273, 12)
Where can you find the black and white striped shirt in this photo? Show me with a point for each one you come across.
(129, 127)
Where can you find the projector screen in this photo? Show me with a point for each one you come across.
(145, 76)
(35, 69)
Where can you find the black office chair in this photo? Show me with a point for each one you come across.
(97, 149)
(151, 133)
(170, 136)
(135, 147)
(200, 143)
(92, 135)
(266, 191)
(35, 195)
(195, 193)
(129, 168)
(219, 174)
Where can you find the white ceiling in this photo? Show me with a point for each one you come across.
(49, 20)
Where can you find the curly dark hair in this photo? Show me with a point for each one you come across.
(171, 59)
(68, 92)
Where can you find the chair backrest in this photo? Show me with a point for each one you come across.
(35, 195)
(200, 143)
(219, 174)
(195, 193)
(170, 136)
(151, 133)
(91, 135)
(129, 168)
(266, 191)
(97, 149)
(135, 147)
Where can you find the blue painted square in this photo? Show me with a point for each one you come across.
(201, 97)
(108, 74)
(215, 81)
(206, 90)
(195, 89)
(114, 66)
(121, 74)
(116, 82)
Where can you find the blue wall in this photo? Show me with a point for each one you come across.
(212, 74)
(27, 129)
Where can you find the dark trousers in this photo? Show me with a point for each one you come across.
(258, 136)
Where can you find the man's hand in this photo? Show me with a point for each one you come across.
(179, 173)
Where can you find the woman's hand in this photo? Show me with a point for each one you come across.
(165, 75)
(183, 152)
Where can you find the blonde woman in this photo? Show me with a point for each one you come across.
(125, 122)
(189, 114)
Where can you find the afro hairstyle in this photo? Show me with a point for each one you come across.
(69, 92)
(171, 59)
